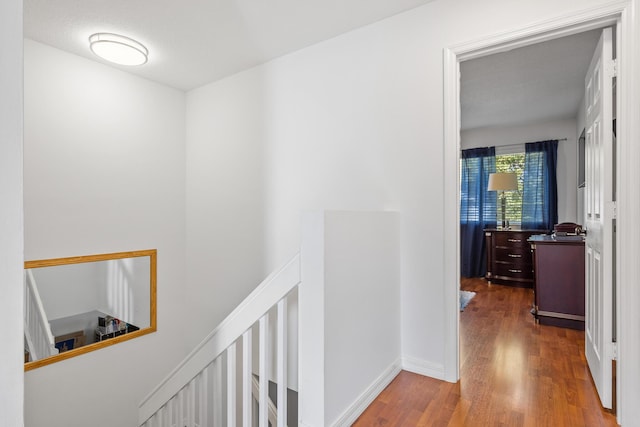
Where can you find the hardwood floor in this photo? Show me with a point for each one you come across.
(513, 373)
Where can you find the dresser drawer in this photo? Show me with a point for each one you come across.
(522, 272)
(511, 239)
(513, 254)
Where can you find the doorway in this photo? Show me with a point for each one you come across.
(616, 14)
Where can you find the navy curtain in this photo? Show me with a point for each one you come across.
(477, 209)
(540, 193)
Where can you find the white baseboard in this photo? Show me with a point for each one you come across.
(423, 367)
(351, 414)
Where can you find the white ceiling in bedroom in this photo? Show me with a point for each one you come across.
(535, 83)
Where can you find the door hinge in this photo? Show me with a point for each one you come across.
(612, 209)
(614, 350)
(614, 68)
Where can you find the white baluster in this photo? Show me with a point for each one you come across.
(217, 392)
(247, 377)
(171, 409)
(203, 398)
(263, 392)
(231, 385)
(282, 362)
(181, 402)
(191, 403)
(158, 418)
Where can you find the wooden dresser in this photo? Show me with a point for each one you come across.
(509, 260)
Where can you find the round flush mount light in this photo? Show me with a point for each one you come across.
(118, 49)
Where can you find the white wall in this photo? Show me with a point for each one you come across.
(350, 298)
(225, 199)
(567, 151)
(67, 290)
(11, 222)
(353, 123)
(362, 305)
(104, 172)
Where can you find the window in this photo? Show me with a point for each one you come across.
(512, 162)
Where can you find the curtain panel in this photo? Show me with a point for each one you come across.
(477, 208)
(540, 193)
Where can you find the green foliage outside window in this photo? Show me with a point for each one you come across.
(512, 163)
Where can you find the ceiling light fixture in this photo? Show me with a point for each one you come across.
(118, 49)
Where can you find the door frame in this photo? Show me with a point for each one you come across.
(625, 15)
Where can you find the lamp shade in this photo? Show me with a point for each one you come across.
(502, 182)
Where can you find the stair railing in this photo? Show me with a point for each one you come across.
(37, 330)
(193, 393)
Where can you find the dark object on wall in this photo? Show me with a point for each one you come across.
(581, 160)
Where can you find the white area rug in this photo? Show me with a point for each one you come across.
(465, 298)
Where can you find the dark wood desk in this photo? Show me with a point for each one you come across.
(559, 281)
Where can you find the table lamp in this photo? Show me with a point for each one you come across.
(503, 181)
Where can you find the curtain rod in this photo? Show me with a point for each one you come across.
(521, 144)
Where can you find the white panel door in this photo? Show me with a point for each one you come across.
(599, 213)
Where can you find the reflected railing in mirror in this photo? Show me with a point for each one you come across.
(80, 304)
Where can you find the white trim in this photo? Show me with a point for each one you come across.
(351, 414)
(423, 367)
(562, 26)
(628, 244)
(628, 235)
(451, 210)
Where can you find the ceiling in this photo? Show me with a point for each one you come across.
(536, 83)
(194, 42)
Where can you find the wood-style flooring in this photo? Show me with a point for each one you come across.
(513, 373)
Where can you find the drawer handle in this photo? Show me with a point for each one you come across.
(515, 256)
(515, 271)
(514, 240)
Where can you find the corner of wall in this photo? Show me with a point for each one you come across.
(423, 367)
(351, 414)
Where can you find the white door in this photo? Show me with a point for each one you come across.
(599, 216)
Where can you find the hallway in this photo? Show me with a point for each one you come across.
(513, 373)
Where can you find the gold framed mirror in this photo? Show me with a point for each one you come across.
(80, 304)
